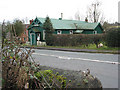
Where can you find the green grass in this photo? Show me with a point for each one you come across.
(83, 47)
(91, 46)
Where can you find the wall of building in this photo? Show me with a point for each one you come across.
(99, 29)
(64, 31)
(24, 35)
(87, 32)
(39, 29)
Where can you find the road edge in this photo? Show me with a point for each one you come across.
(76, 50)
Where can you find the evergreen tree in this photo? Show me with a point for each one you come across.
(18, 26)
(48, 25)
(48, 30)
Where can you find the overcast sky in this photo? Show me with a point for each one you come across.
(11, 9)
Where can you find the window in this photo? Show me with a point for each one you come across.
(94, 32)
(38, 36)
(59, 32)
(71, 31)
(36, 24)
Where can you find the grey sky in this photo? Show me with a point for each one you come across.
(11, 9)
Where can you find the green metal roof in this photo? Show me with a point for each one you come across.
(87, 25)
(70, 24)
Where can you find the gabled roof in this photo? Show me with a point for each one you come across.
(70, 24)
(87, 25)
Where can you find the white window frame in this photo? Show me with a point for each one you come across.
(59, 32)
(38, 36)
(43, 34)
(36, 24)
(71, 31)
(95, 32)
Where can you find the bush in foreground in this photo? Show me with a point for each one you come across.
(21, 72)
(72, 79)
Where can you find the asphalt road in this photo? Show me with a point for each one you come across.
(103, 66)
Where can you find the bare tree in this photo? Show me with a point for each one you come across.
(102, 19)
(77, 15)
(94, 14)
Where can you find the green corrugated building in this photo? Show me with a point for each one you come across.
(61, 26)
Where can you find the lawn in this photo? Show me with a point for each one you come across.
(91, 46)
(84, 47)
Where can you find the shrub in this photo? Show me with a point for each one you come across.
(15, 65)
(113, 37)
(76, 39)
(97, 39)
(49, 38)
(54, 80)
(21, 72)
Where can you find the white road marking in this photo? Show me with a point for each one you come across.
(74, 52)
(71, 58)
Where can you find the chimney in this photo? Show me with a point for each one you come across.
(61, 16)
(31, 21)
(86, 20)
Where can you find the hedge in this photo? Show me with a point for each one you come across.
(113, 37)
(76, 39)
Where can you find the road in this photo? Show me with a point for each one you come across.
(103, 66)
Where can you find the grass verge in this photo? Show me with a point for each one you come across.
(90, 47)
